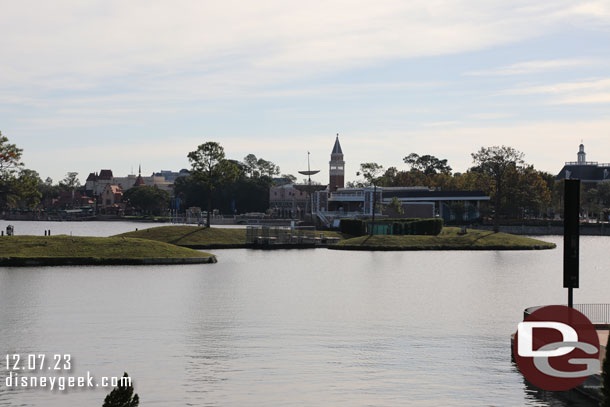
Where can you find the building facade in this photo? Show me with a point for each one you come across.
(286, 201)
(331, 203)
(590, 172)
(336, 201)
(111, 199)
(97, 183)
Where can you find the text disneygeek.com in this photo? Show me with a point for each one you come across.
(26, 371)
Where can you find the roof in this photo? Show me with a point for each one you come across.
(115, 189)
(337, 147)
(585, 172)
(139, 181)
(105, 174)
(434, 195)
(408, 194)
(92, 177)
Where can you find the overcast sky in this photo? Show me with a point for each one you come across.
(88, 85)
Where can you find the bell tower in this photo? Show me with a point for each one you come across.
(582, 156)
(337, 167)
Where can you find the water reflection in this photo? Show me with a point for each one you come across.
(285, 328)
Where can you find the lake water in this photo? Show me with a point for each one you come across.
(292, 327)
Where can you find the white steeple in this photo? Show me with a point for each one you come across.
(582, 156)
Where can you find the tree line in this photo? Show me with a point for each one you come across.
(228, 185)
(518, 191)
(23, 188)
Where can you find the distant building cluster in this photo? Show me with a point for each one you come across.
(329, 203)
(109, 189)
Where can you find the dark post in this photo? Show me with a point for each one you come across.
(374, 204)
(571, 235)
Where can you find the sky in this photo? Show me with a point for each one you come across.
(87, 85)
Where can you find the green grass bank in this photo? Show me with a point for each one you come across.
(448, 239)
(195, 237)
(79, 250)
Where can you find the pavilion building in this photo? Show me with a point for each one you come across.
(590, 172)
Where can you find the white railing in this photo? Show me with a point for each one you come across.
(342, 194)
(323, 218)
(583, 163)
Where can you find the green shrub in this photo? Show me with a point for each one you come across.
(354, 227)
(397, 228)
(407, 226)
(410, 226)
(431, 227)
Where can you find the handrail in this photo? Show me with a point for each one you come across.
(581, 163)
(597, 313)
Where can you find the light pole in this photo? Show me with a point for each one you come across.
(309, 173)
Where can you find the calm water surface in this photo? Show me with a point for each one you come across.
(292, 328)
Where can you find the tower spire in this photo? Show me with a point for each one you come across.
(581, 156)
(337, 167)
(139, 180)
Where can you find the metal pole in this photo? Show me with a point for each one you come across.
(374, 204)
(571, 235)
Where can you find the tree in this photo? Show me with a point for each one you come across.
(10, 157)
(18, 186)
(70, 182)
(267, 168)
(396, 205)
(257, 167)
(210, 167)
(291, 178)
(394, 178)
(603, 193)
(48, 191)
(371, 172)
(150, 200)
(122, 395)
(26, 189)
(428, 164)
(251, 165)
(496, 162)
(590, 202)
(10, 163)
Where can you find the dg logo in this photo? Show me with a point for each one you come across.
(556, 348)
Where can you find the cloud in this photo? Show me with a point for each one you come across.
(490, 116)
(211, 46)
(156, 68)
(562, 87)
(593, 91)
(530, 67)
(447, 123)
(593, 98)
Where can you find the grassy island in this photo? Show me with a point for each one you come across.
(448, 239)
(193, 237)
(79, 250)
(196, 237)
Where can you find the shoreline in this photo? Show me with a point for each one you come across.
(60, 250)
(437, 248)
(449, 239)
(96, 261)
